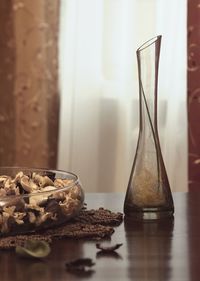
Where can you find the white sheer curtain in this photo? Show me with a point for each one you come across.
(99, 88)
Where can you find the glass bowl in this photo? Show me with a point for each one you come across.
(34, 199)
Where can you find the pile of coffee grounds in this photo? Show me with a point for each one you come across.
(89, 224)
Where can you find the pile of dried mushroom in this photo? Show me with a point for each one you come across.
(35, 201)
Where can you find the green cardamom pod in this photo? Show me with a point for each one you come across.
(34, 249)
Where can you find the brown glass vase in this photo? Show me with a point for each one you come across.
(148, 195)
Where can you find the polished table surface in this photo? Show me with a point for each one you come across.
(168, 250)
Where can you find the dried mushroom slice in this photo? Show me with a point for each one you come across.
(75, 192)
(60, 183)
(34, 208)
(25, 183)
(10, 217)
(69, 206)
(10, 192)
(42, 218)
(1, 220)
(7, 183)
(41, 199)
(50, 174)
(3, 179)
(19, 217)
(109, 248)
(32, 217)
(18, 176)
(2, 193)
(17, 181)
(52, 206)
(5, 222)
(9, 210)
(47, 182)
(18, 202)
(42, 181)
(59, 196)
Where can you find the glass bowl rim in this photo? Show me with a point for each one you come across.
(76, 181)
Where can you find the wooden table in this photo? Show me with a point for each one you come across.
(150, 251)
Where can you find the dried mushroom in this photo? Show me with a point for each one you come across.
(52, 206)
(38, 199)
(2, 192)
(43, 202)
(42, 181)
(108, 248)
(28, 184)
(18, 202)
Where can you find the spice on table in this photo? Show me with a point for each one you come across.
(107, 249)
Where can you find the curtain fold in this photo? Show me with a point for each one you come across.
(99, 88)
(29, 108)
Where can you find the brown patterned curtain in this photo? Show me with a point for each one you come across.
(29, 99)
(194, 91)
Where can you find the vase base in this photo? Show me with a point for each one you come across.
(148, 214)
